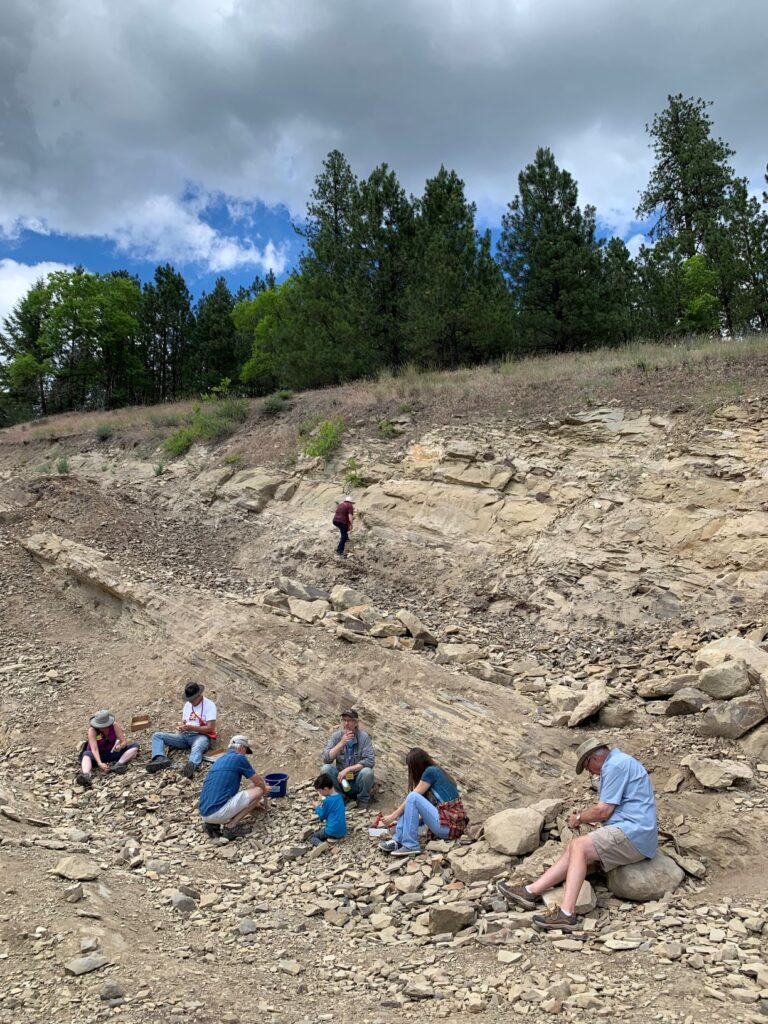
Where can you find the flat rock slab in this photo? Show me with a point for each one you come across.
(77, 869)
(478, 863)
(714, 774)
(733, 718)
(595, 697)
(86, 964)
(515, 831)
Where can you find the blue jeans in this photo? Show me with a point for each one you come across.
(418, 809)
(360, 787)
(344, 531)
(192, 741)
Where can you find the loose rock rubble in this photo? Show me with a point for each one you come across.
(510, 589)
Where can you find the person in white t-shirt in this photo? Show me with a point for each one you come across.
(195, 732)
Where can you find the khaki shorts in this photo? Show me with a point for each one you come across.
(233, 806)
(613, 848)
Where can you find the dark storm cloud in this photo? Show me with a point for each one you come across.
(110, 112)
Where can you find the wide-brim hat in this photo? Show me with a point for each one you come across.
(193, 689)
(102, 719)
(585, 749)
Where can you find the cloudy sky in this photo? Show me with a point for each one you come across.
(154, 130)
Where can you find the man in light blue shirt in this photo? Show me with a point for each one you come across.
(626, 809)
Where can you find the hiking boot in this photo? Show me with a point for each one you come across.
(518, 894)
(119, 769)
(212, 831)
(158, 762)
(556, 919)
(388, 845)
(233, 833)
(84, 779)
(188, 770)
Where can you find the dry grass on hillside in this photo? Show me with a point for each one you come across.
(694, 374)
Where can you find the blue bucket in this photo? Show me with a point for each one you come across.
(278, 783)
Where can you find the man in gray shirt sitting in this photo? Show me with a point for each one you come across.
(348, 758)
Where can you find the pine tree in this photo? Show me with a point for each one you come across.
(215, 337)
(551, 259)
(690, 181)
(167, 334)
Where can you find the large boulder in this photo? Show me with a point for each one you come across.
(77, 868)
(687, 701)
(719, 774)
(646, 880)
(450, 917)
(755, 743)
(458, 654)
(477, 863)
(656, 689)
(307, 611)
(729, 679)
(563, 698)
(731, 648)
(345, 597)
(302, 591)
(733, 718)
(416, 627)
(595, 697)
(515, 831)
(251, 489)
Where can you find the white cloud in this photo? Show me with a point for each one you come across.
(161, 228)
(111, 110)
(17, 278)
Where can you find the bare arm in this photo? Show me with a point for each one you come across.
(121, 740)
(206, 728)
(593, 815)
(93, 746)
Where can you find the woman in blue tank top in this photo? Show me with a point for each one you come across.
(433, 799)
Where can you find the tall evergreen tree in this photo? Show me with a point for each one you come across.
(167, 327)
(691, 178)
(215, 337)
(551, 259)
(381, 240)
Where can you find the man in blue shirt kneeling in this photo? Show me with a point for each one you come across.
(626, 809)
(223, 805)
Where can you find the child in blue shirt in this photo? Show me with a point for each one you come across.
(330, 810)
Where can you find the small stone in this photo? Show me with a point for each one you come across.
(450, 917)
(183, 903)
(111, 990)
(292, 967)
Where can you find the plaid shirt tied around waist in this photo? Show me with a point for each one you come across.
(453, 817)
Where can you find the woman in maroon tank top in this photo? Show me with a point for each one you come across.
(106, 746)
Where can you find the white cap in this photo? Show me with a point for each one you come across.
(239, 741)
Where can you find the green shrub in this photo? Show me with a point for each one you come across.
(104, 431)
(352, 474)
(44, 468)
(387, 429)
(273, 405)
(159, 468)
(285, 395)
(62, 466)
(212, 422)
(165, 419)
(324, 439)
(233, 459)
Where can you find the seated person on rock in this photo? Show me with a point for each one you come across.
(195, 732)
(348, 758)
(330, 810)
(626, 810)
(434, 799)
(106, 747)
(222, 804)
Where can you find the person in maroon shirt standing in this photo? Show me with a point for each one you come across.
(342, 520)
